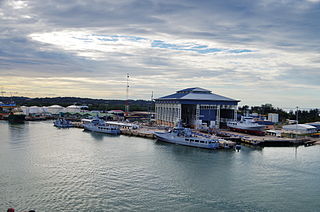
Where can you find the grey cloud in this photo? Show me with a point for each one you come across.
(301, 76)
(287, 26)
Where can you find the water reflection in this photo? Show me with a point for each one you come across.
(18, 133)
(181, 148)
(99, 136)
(86, 174)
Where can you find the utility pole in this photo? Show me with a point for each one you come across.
(127, 101)
(150, 107)
(297, 116)
(2, 92)
(297, 121)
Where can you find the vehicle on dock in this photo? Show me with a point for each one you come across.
(184, 136)
(247, 125)
(98, 125)
(62, 123)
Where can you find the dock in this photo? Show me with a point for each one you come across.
(141, 132)
(126, 129)
(266, 140)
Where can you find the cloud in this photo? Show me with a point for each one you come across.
(243, 49)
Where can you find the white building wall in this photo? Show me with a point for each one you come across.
(168, 112)
(273, 117)
(300, 128)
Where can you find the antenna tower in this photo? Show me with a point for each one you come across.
(127, 101)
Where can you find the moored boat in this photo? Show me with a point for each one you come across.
(184, 136)
(16, 116)
(62, 123)
(247, 125)
(98, 125)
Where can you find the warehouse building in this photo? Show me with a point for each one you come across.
(315, 124)
(194, 107)
(300, 128)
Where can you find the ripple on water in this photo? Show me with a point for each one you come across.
(47, 169)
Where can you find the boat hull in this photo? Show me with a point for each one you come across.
(13, 118)
(251, 131)
(97, 129)
(181, 141)
(63, 125)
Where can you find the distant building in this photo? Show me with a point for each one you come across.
(273, 117)
(300, 128)
(117, 112)
(315, 124)
(195, 106)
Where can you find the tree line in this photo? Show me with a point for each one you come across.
(93, 104)
(304, 116)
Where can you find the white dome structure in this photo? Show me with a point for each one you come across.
(55, 109)
(73, 109)
(25, 109)
(45, 109)
(35, 110)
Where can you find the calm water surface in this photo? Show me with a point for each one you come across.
(50, 169)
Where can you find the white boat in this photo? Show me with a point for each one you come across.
(99, 125)
(184, 136)
(62, 123)
(247, 125)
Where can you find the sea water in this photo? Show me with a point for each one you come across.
(49, 169)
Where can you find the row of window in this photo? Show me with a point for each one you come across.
(207, 107)
(106, 128)
(199, 141)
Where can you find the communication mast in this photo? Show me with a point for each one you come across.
(127, 101)
(2, 92)
(150, 107)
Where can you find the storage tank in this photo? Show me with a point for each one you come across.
(73, 109)
(55, 109)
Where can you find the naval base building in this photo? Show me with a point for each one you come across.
(195, 107)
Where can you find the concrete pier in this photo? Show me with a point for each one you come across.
(138, 133)
(146, 132)
(262, 140)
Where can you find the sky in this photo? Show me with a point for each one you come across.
(262, 51)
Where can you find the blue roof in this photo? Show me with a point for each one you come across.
(194, 90)
(196, 94)
(7, 105)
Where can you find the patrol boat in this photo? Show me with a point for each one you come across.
(184, 136)
(98, 125)
(62, 123)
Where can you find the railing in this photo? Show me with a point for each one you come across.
(225, 120)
